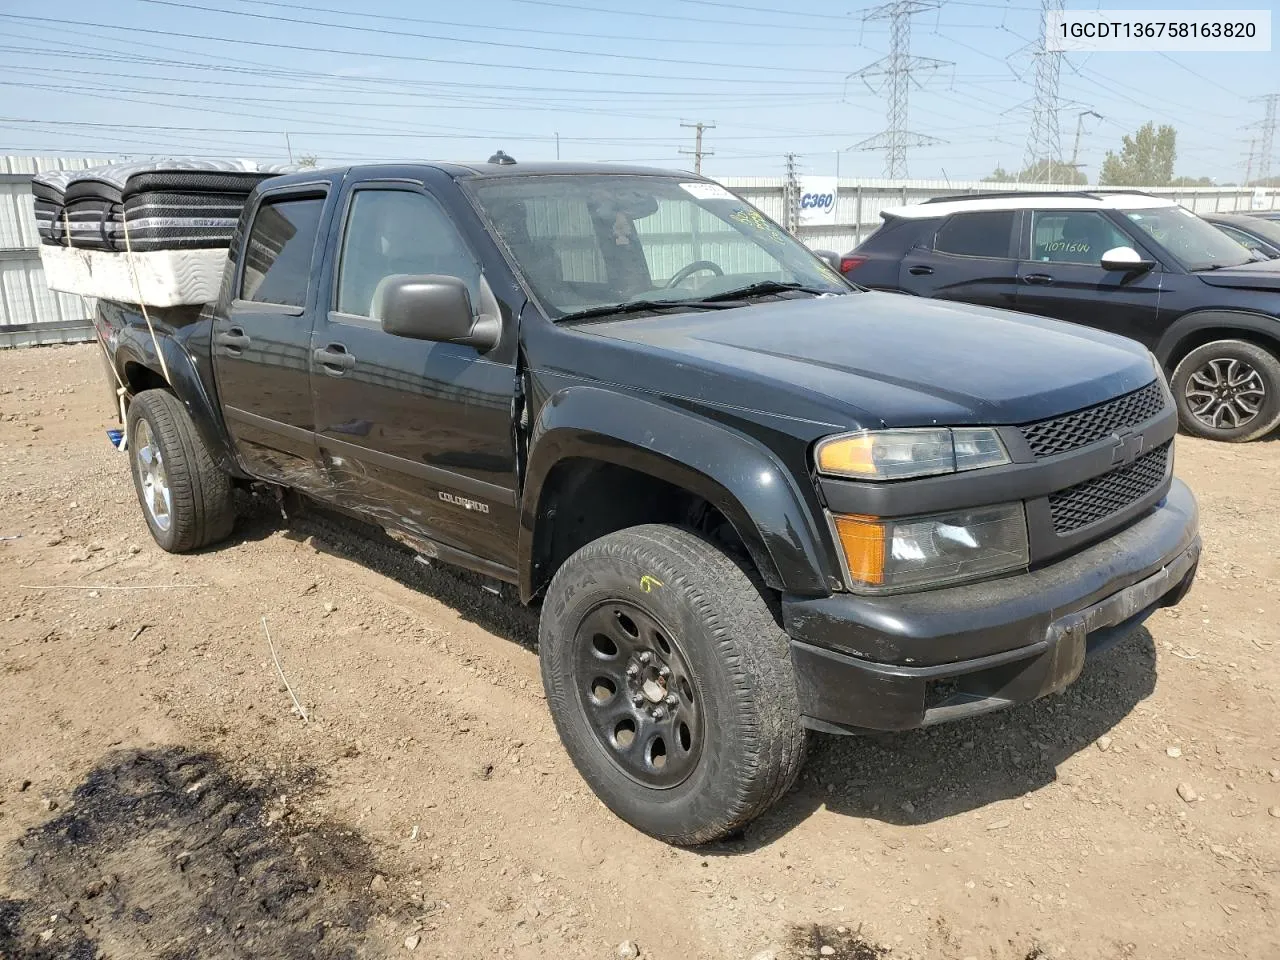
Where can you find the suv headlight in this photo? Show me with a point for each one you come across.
(885, 555)
(916, 452)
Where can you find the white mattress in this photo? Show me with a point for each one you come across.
(158, 278)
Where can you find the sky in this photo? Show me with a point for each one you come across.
(599, 80)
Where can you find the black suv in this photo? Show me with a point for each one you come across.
(1128, 263)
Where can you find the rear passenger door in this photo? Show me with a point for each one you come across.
(1061, 275)
(416, 435)
(262, 340)
(970, 258)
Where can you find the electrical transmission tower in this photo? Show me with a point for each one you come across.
(894, 76)
(697, 152)
(1266, 134)
(1044, 142)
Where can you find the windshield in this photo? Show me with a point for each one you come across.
(1197, 244)
(598, 240)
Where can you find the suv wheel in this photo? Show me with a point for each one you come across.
(185, 497)
(670, 683)
(1228, 390)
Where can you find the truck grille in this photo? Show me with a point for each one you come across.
(1049, 437)
(1100, 497)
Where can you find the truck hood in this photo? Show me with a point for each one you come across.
(893, 360)
(1263, 275)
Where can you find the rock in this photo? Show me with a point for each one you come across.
(94, 594)
(24, 786)
(1174, 752)
(330, 607)
(1275, 774)
(827, 950)
(49, 804)
(484, 771)
(378, 884)
(134, 549)
(765, 955)
(1187, 793)
(997, 824)
(411, 942)
(908, 806)
(1274, 811)
(627, 950)
(1104, 742)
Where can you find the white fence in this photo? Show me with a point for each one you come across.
(859, 202)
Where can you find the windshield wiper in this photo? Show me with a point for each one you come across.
(760, 288)
(630, 306)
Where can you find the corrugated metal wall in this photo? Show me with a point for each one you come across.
(24, 298)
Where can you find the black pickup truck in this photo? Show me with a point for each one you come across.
(751, 499)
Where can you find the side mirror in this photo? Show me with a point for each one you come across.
(1126, 259)
(832, 258)
(431, 307)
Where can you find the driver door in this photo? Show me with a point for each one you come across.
(1060, 275)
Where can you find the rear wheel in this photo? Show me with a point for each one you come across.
(670, 682)
(1228, 390)
(185, 497)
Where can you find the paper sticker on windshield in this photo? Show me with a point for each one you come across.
(707, 191)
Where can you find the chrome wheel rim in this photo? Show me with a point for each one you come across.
(638, 694)
(1225, 393)
(152, 477)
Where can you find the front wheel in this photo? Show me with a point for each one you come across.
(670, 683)
(185, 497)
(1228, 390)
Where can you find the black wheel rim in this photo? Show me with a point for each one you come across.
(1225, 393)
(638, 694)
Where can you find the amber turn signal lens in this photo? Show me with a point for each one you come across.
(848, 457)
(862, 539)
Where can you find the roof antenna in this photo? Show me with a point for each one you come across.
(502, 159)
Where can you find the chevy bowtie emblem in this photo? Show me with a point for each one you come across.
(1128, 448)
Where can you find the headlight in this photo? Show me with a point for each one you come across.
(966, 545)
(897, 454)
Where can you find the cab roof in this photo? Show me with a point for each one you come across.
(461, 170)
(1081, 200)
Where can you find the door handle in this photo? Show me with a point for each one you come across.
(1040, 278)
(232, 341)
(920, 270)
(334, 359)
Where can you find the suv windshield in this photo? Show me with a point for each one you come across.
(1197, 244)
(592, 241)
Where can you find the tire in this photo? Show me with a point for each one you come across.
(666, 592)
(1251, 376)
(185, 498)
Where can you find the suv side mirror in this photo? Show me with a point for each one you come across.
(1127, 259)
(432, 307)
(832, 258)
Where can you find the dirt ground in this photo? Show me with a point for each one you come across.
(160, 796)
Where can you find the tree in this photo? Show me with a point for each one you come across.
(1145, 160)
(307, 161)
(1191, 182)
(1042, 171)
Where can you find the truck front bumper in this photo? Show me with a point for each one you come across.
(911, 660)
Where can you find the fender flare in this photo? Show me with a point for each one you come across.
(740, 477)
(1192, 323)
(135, 346)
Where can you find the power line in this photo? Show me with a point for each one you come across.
(481, 43)
(401, 18)
(896, 73)
(412, 58)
